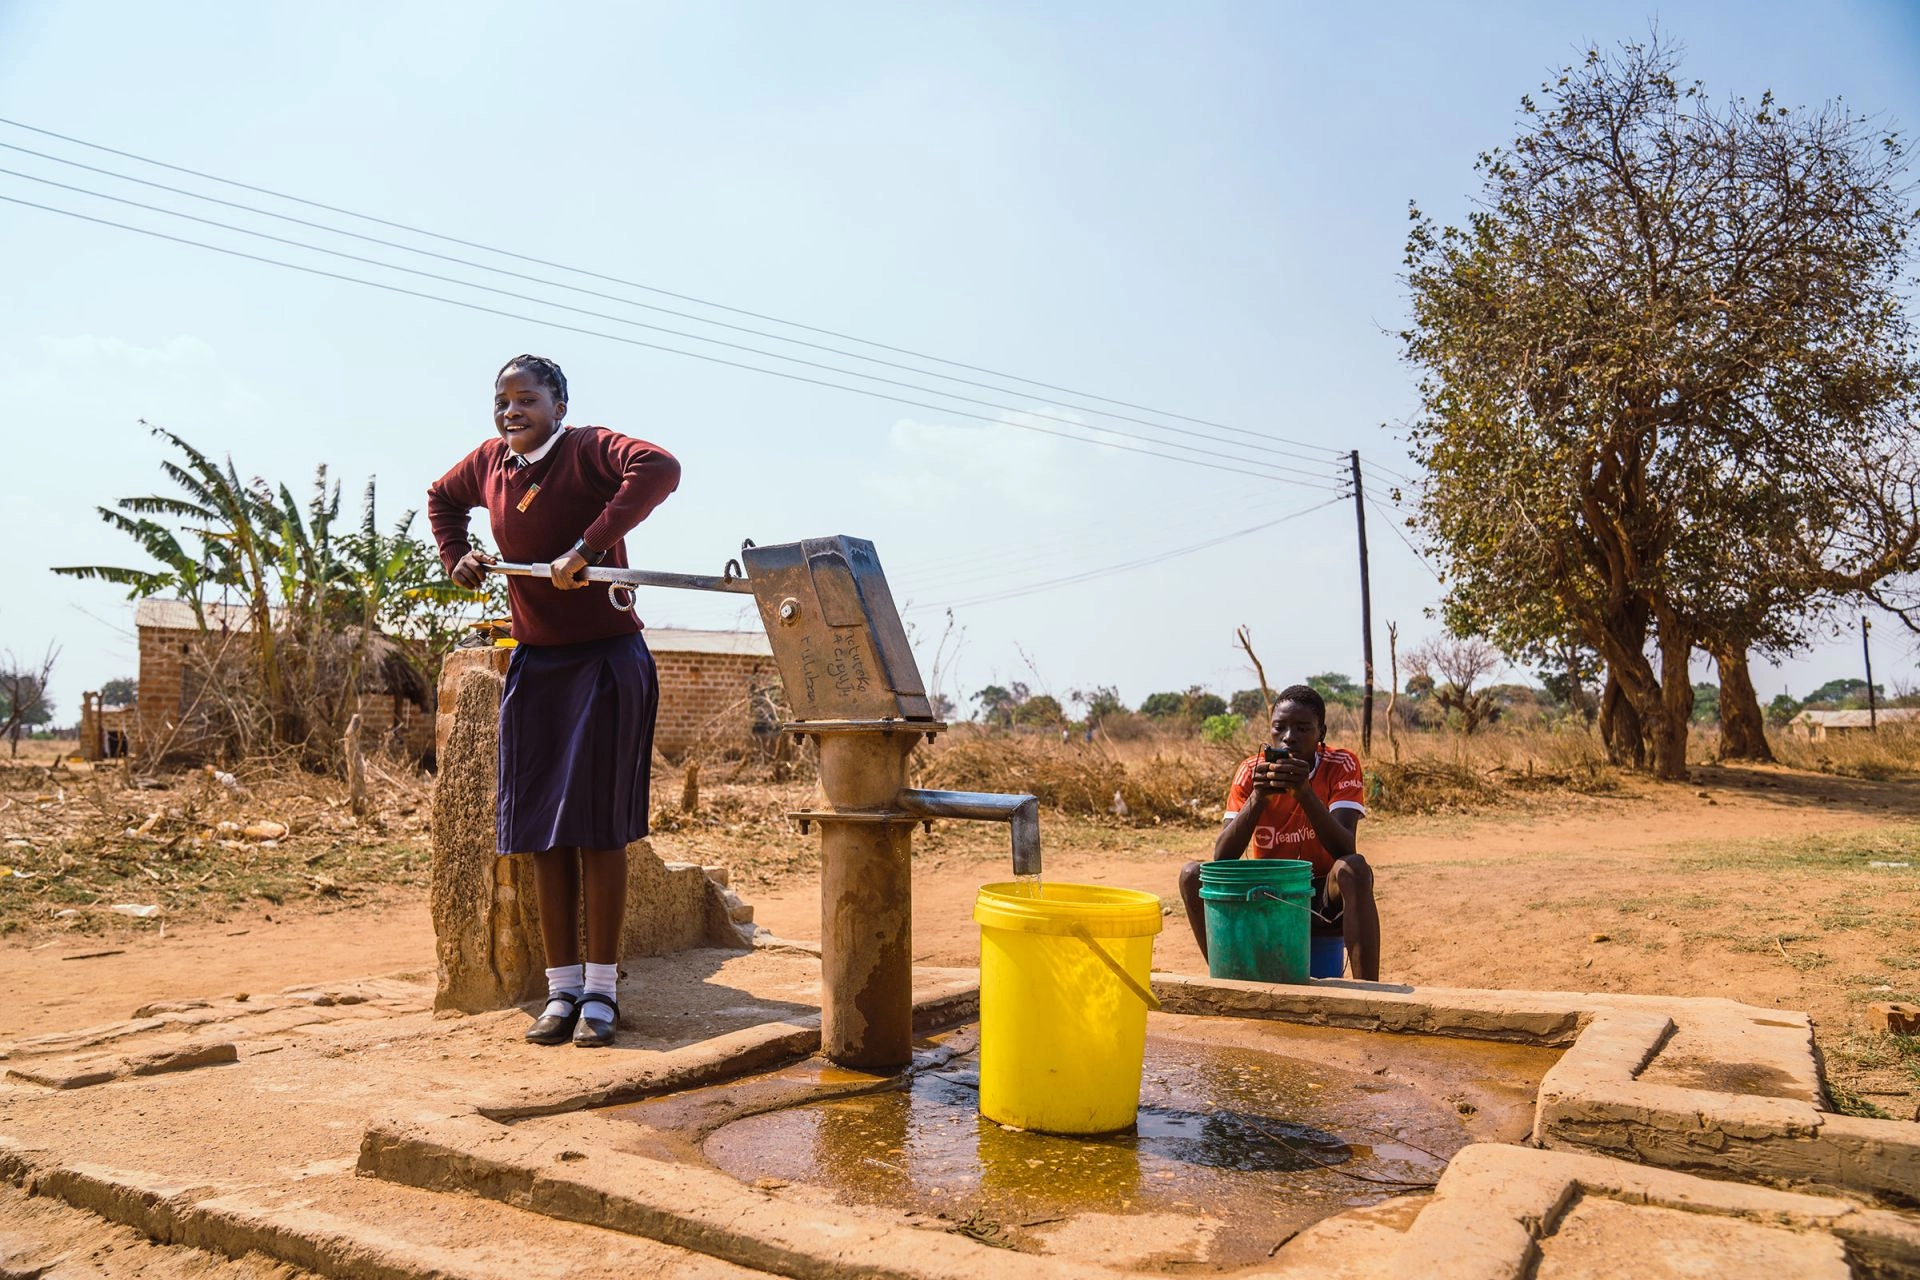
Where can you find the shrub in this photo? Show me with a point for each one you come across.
(1072, 778)
(1428, 786)
(1222, 728)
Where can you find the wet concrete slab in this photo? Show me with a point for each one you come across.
(458, 1131)
(1247, 1134)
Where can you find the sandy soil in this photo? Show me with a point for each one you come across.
(1754, 884)
(77, 981)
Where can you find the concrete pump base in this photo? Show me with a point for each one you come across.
(350, 1131)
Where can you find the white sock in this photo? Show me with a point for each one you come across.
(567, 978)
(601, 980)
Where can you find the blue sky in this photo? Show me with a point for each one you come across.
(1200, 208)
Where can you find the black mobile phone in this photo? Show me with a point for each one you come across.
(1273, 755)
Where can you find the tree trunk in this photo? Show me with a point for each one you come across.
(1620, 727)
(1663, 710)
(1743, 727)
(1667, 729)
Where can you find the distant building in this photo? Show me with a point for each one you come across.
(177, 656)
(1818, 726)
(106, 732)
(715, 686)
(718, 689)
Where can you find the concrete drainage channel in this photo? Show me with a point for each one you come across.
(353, 1133)
(1632, 1086)
(1249, 1133)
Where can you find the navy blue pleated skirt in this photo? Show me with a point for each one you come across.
(576, 745)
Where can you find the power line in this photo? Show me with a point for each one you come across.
(1107, 571)
(556, 284)
(943, 572)
(989, 572)
(1367, 464)
(1395, 479)
(1393, 521)
(639, 324)
(668, 293)
(1249, 469)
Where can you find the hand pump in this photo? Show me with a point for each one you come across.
(850, 678)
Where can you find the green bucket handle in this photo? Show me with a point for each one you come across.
(1261, 891)
(1127, 980)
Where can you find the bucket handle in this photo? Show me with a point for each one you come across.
(1126, 979)
(1264, 893)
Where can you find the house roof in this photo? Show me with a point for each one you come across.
(1855, 719)
(673, 640)
(177, 615)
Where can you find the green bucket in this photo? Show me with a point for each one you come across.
(1258, 913)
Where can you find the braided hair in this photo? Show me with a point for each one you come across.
(542, 368)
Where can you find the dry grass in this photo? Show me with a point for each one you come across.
(1144, 782)
(1889, 753)
(1176, 778)
(76, 842)
(1445, 772)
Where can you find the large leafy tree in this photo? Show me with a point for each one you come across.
(1667, 383)
(997, 703)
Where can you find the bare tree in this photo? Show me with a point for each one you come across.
(23, 695)
(1245, 639)
(1455, 664)
(1393, 688)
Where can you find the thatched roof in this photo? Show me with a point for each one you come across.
(388, 670)
(385, 669)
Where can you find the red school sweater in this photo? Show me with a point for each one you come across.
(594, 484)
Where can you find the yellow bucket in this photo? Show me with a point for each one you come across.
(1064, 996)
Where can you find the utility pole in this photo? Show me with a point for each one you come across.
(1866, 650)
(1366, 607)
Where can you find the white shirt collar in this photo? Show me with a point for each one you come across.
(546, 447)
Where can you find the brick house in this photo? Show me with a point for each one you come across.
(106, 732)
(717, 688)
(169, 636)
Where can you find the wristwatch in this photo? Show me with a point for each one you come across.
(591, 556)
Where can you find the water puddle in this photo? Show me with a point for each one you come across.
(1235, 1150)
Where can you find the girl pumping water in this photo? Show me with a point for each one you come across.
(576, 719)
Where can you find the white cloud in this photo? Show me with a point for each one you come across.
(112, 379)
(182, 352)
(1007, 462)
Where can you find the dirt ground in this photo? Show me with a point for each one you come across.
(1765, 885)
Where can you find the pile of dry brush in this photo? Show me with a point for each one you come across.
(79, 849)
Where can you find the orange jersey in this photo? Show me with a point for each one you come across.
(1282, 830)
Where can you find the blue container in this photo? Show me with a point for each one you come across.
(1328, 957)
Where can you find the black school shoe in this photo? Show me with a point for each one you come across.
(591, 1033)
(555, 1028)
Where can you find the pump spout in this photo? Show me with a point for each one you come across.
(1021, 813)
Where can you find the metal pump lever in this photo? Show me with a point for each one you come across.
(619, 580)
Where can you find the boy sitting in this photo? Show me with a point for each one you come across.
(1301, 800)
